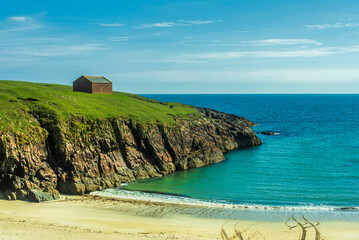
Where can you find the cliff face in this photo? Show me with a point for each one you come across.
(80, 155)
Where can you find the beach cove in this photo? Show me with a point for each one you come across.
(183, 120)
(311, 163)
(91, 217)
(253, 193)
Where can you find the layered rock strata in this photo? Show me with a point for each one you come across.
(80, 155)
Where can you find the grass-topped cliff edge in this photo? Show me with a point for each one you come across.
(55, 140)
(18, 99)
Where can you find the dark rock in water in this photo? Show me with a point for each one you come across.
(80, 155)
(269, 133)
(348, 208)
(38, 196)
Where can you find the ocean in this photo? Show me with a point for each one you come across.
(311, 163)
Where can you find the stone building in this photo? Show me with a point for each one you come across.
(93, 84)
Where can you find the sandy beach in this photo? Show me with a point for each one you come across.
(91, 217)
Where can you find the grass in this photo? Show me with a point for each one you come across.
(18, 99)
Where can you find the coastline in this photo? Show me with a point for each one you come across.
(93, 217)
(80, 152)
(183, 200)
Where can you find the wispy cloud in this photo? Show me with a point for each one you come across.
(19, 18)
(160, 24)
(119, 39)
(178, 23)
(259, 75)
(272, 42)
(306, 75)
(20, 41)
(193, 40)
(20, 29)
(335, 25)
(109, 24)
(51, 50)
(18, 24)
(265, 42)
(304, 53)
(199, 22)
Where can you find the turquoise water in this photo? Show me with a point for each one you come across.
(314, 162)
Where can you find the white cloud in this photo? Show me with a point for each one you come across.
(119, 39)
(110, 24)
(266, 42)
(314, 52)
(260, 75)
(51, 50)
(335, 25)
(19, 18)
(160, 24)
(19, 24)
(200, 22)
(272, 42)
(193, 40)
(179, 23)
(305, 75)
(21, 29)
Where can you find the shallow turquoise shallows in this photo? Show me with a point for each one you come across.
(313, 162)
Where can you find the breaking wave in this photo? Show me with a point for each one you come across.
(189, 201)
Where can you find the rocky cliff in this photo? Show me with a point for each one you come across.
(79, 155)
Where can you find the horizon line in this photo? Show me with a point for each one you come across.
(248, 93)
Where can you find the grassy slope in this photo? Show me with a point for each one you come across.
(64, 103)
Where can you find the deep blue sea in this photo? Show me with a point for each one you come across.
(312, 163)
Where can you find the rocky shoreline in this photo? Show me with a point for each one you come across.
(80, 155)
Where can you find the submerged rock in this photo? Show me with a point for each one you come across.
(269, 133)
(79, 155)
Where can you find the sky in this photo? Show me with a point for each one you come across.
(203, 46)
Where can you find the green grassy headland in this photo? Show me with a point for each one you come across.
(19, 99)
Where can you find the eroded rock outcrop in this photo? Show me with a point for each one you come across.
(80, 155)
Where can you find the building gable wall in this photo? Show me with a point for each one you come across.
(82, 85)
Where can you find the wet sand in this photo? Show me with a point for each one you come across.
(91, 217)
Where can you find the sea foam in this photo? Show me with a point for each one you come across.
(189, 201)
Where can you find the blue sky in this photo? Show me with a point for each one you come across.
(222, 46)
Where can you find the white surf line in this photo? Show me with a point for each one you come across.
(181, 200)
